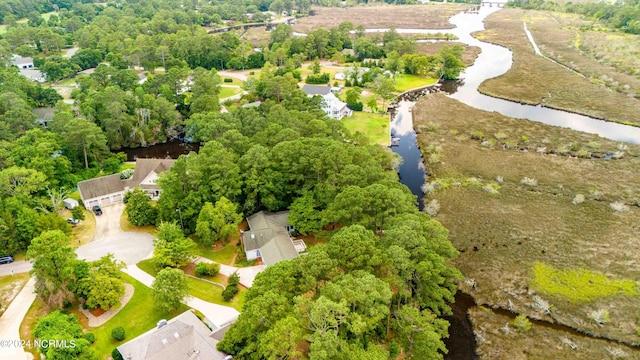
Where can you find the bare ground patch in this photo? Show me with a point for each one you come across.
(535, 80)
(430, 16)
(501, 234)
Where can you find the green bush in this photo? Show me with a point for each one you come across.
(234, 279)
(115, 354)
(229, 292)
(355, 106)
(118, 333)
(521, 323)
(252, 72)
(207, 269)
(90, 337)
(228, 80)
(77, 213)
(323, 78)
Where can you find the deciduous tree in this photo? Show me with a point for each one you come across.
(170, 288)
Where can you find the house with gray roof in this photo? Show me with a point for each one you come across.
(330, 103)
(183, 337)
(44, 115)
(22, 62)
(110, 189)
(268, 237)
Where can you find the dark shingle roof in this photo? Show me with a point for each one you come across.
(316, 89)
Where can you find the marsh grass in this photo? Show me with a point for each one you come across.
(578, 285)
(501, 237)
(535, 80)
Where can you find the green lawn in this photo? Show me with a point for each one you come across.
(405, 82)
(225, 92)
(201, 289)
(67, 82)
(374, 126)
(127, 165)
(137, 317)
(222, 256)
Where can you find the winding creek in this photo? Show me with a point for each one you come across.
(493, 61)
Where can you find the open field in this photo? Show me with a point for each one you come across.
(499, 342)
(406, 82)
(535, 80)
(257, 36)
(432, 16)
(507, 189)
(374, 127)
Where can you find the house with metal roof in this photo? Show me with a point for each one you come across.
(330, 103)
(268, 237)
(110, 189)
(183, 337)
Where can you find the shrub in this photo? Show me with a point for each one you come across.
(118, 333)
(323, 78)
(229, 292)
(578, 199)
(228, 80)
(77, 213)
(207, 269)
(600, 316)
(90, 337)
(126, 174)
(115, 354)
(619, 206)
(252, 72)
(432, 208)
(521, 323)
(234, 279)
(583, 154)
(500, 136)
(477, 135)
(529, 181)
(356, 106)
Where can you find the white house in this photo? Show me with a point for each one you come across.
(110, 189)
(22, 62)
(330, 103)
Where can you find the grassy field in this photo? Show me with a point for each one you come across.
(85, 230)
(137, 317)
(406, 82)
(373, 126)
(563, 216)
(226, 92)
(126, 225)
(10, 286)
(257, 36)
(46, 16)
(222, 256)
(535, 80)
(432, 16)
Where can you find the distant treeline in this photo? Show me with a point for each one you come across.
(623, 15)
(22, 8)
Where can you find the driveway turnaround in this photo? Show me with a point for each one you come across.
(129, 247)
(10, 345)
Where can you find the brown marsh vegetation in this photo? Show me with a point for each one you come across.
(431, 16)
(506, 189)
(535, 80)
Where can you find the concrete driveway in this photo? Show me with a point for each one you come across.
(10, 324)
(129, 247)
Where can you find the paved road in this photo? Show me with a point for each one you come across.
(10, 323)
(17, 267)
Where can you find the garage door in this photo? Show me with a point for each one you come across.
(105, 201)
(116, 198)
(91, 204)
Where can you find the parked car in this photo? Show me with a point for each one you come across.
(73, 221)
(6, 259)
(96, 210)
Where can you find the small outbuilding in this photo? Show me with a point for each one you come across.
(70, 203)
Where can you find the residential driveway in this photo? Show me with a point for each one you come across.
(10, 324)
(129, 247)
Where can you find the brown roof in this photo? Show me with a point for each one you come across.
(110, 184)
(101, 186)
